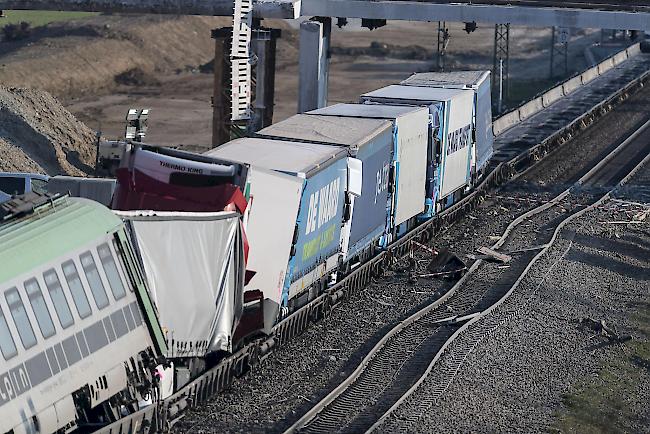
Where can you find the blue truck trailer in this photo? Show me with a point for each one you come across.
(479, 83)
(313, 234)
(370, 141)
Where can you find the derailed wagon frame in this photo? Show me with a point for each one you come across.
(161, 416)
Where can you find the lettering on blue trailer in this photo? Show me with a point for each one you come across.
(459, 139)
(323, 206)
(382, 180)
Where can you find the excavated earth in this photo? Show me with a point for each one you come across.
(299, 374)
(37, 134)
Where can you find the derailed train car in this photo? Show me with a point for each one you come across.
(79, 336)
(194, 267)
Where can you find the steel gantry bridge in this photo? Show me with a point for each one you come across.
(609, 14)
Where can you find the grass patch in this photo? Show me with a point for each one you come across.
(609, 402)
(41, 18)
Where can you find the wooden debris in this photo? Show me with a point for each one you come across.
(494, 255)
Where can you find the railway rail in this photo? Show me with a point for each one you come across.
(162, 415)
(404, 357)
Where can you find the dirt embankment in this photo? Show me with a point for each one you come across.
(37, 134)
(84, 56)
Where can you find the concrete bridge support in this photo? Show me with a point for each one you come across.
(313, 60)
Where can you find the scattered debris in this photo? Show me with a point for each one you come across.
(383, 303)
(455, 319)
(494, 255)
(602, 329)
(528, 249)
(445, 264)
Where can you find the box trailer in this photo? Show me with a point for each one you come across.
(450, 155)
(479, 82)
(302, 212)
(371, 142)
(410, 143)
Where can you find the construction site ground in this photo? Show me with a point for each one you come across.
(100, 66)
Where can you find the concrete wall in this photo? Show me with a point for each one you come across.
(534, 106)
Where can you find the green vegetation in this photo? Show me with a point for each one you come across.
(606, 404)
(40, 18)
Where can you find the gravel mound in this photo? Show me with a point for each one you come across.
(37, 134)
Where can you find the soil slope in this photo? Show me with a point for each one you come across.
(37, 134)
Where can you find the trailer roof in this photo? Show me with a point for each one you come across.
(415, 93)
(328, 129)
(282, 155)
(376, 111)
(447, 79)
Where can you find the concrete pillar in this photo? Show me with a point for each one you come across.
(264, 46)
(221, 101)
(314, 64)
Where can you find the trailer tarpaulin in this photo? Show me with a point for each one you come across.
(194, 265)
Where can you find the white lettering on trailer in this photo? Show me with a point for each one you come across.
(382, 180)
(323, 206)
(458, 139)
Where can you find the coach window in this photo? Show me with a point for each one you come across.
(114, 279)
(77, 289)
(58, 298)
(42, 314)
(95, 282)
(19, 314)
(7, 345)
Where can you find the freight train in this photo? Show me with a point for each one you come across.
(103, 312)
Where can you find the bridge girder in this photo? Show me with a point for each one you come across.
(544, 15)
(481, 13)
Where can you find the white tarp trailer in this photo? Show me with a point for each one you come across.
(451, 112)
(410, 132)
(479, 82)
(194, 266)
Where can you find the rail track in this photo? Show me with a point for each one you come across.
(404, 357)
(162, 415)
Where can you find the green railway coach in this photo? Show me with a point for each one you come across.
(79, 337)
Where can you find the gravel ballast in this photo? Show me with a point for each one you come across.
(542, 370)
